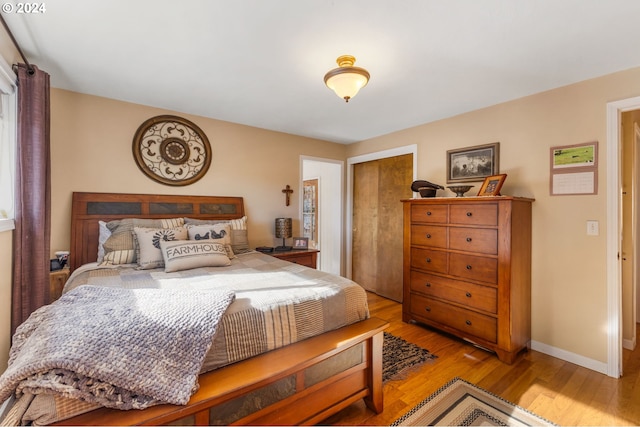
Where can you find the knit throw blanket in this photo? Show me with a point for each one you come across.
(120, 348)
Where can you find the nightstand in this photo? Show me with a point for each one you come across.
(57, 279)
(306, 257)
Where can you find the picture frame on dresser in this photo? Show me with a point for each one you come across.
(473, 164)
(492, 185)
(300, 243)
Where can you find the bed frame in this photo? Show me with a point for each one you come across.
(305, 382)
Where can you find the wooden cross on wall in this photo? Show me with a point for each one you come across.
(287, 191)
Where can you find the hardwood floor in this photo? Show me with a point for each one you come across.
(559, 391)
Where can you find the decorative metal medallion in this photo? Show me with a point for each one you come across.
(172, 150)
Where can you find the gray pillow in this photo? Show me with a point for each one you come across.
(186, 254)
(120, 247)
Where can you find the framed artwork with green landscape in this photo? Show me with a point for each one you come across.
(573, 156)
(574, 169)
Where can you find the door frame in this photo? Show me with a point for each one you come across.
(351, 161)
(636, 226)
(337, 196)
(614, 236)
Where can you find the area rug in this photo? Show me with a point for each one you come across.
(460, 403)
(400, 357)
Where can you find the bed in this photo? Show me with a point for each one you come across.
(299, 374)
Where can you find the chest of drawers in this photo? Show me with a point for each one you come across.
(467, 269)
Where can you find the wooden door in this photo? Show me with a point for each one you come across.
(378, 187)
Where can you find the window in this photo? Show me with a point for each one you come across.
(8, 120)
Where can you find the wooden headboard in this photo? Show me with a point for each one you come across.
(89, 208)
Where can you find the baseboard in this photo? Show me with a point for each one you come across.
(629, 344)
(585, 362)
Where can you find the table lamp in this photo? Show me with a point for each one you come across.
(284, 228)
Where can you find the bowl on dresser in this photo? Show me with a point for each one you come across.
(460, 189)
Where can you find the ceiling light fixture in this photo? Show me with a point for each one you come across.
(346, 80)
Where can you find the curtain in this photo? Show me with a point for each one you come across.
(31, 244)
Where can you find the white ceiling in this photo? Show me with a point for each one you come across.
(261, 62)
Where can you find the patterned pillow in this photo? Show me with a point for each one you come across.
(148, 240)
(120, 247)
(221, 233)
(239, 235)
(210, 231)
(186, 254)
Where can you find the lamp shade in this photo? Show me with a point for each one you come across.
(284, 228)
(346, 80)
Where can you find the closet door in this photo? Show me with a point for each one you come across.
(378, 187)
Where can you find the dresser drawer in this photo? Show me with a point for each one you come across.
(479, 297)
(474, 213)
(466, 321)
(429, 213)
(308, 258)
(483, 269)
(483, 240)
(431, 260)
(429, 235)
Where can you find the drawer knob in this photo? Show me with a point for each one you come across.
(428, 259)
(427, 309)
(428, 213)
(468, 322)
(428, 235)
(468, 294)
(428, 284)
(468, 266)
(469, 239)
(469, 213)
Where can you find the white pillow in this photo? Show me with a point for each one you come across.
(148, 240)
(186, 254)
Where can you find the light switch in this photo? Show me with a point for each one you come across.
(593, 228)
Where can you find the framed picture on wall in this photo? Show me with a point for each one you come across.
(473, 163)
(574, 169)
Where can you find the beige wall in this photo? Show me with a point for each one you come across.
(91, 139)
(569, 298)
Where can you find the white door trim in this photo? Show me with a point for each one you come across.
(407, 149)
(336, 197)
(636, 226)
(631, 343)
(614, 275)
